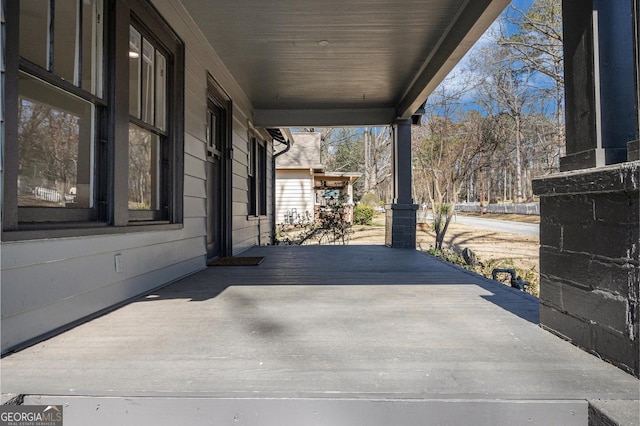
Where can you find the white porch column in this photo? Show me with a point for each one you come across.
(350, 204)
(401, 214)
(350, 193)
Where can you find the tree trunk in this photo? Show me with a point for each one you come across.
(481, 192)
(511, 186)
(367, 161)
(518, 160)
(504, 187)
(489, 187)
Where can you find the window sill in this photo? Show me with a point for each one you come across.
(66, 230)
(254, 218)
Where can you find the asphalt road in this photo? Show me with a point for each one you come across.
(528, 229)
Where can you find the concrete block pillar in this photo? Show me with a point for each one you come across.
(401, 214)
(600, 80)
(590, 260)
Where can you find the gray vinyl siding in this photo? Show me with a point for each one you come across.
(47, 284)
(248, 231)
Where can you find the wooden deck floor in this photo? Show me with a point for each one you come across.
(321, 322)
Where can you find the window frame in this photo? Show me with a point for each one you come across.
(30, 215)
(262, 178)
(636, 42)
(251, 178)
(15, 217)
(161, 212)
(144, 17)
(110, 173)
(257, 177)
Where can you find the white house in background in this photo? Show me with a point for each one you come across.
(302, 184)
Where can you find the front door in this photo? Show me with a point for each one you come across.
(216, 185)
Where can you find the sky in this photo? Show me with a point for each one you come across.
(460, 75)
(490, 36)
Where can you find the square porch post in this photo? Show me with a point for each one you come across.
(601, 115)
(401, 214)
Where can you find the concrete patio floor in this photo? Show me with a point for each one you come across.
(321, 323)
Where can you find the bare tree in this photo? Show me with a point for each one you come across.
(446, 154)
(377, 161)
(537, 44)
(505, 88)
(364, 150)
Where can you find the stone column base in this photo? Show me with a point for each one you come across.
(400, 231)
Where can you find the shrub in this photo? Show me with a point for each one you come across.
(485, 268)
(370, 199)
(363, 215)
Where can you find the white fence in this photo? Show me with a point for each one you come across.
(523, 208)
(47, 194)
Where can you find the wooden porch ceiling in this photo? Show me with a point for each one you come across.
(337, 62)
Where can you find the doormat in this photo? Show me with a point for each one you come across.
(237, 261)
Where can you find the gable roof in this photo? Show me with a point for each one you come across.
(303, 154)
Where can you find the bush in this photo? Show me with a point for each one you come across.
(486, 268)
(370, 199)
(363, 215)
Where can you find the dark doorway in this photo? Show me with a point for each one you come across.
(216, 181)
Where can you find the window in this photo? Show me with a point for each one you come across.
(55, 146)
(251, 165)
(78, 152)
(64, 38)
(262, 179)
(59, 96)
(257, 178)
(151, 61)
(147, 135)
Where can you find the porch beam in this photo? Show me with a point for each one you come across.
(323, 117)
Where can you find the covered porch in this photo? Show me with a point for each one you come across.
(313, 335)
(322, 335)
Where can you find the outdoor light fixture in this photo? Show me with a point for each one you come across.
(133, 55)
(324, 43)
